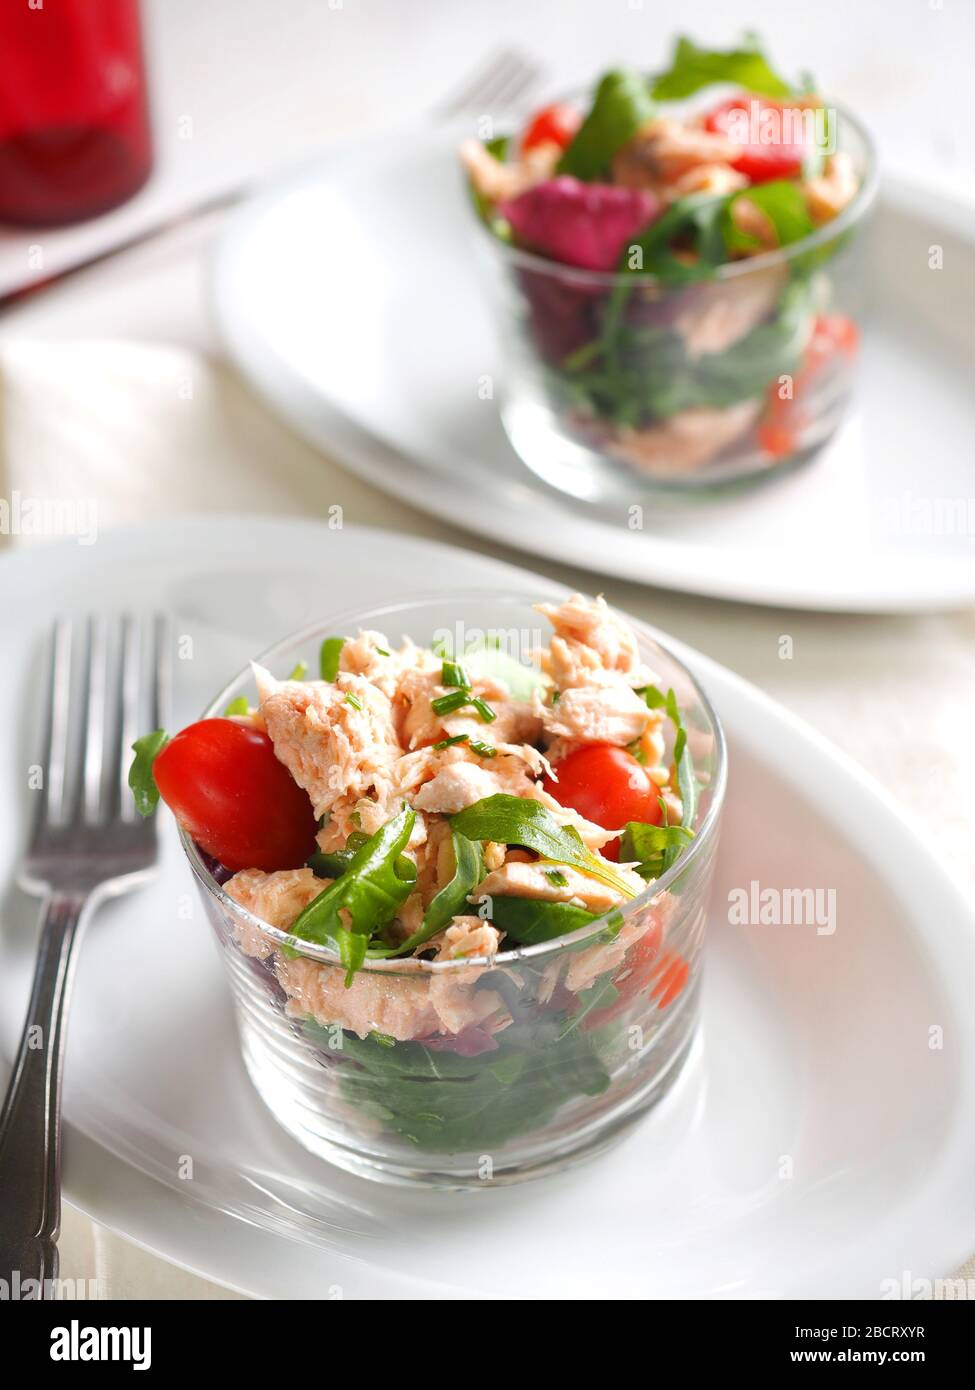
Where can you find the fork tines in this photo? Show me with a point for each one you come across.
(108, 684)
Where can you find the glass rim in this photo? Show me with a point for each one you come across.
(410, 965)
(855, 210)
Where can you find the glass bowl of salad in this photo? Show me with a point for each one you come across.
(674, 265)
(458, 878)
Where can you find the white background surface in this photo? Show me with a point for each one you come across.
(265, 84)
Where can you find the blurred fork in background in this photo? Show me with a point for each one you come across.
(492, 86)
(109, 682)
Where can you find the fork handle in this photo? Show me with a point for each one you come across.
(30, 1123)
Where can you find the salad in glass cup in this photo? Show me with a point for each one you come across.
(459, 882)
(673, 263)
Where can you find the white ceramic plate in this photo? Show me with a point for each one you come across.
(349, 298)
(816, 1144)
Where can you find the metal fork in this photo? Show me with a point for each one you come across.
(494, 86)
(499, 83)
(87, 843)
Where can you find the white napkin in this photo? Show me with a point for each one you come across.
(133, 430)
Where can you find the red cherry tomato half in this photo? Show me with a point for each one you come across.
(784, 418)
(607, 785)
(553, 125)
(760, 128)
(223, 783)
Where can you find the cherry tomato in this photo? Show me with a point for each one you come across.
(760, 159)
(635, 976)
(784, 418)
(553, 125)
(223, 783)
(607, 785)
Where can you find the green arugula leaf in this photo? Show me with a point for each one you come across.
(448, 1103)
(499, 226)
(698, 223)
(451, 901)
(532, 920)
(783, 203)
(651, 845)
(621, 105)
(328, 657)
(514, 820)
(692, 68)
(144, 790)
(686, 781)
(597, 996)
(373, 887)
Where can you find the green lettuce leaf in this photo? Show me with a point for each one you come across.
(141, 781)
(692, 68)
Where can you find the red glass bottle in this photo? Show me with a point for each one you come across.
(74, 121)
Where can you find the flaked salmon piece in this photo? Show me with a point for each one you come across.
(337, 740)
(593, 836)
(591, 646)
(604, 957)
(663, 150)
(467, 936)
(434, 861)
(453, 994)
(516, 721)
(714, 316)
(544, 882)
(368, 815)
(418, 723)
(369, 654)
(716, 179)
(828, 194)
(497, 181)
(749, 218)
(395, 1004)
(687, 440)
(597, 714)
(275, 898)
(460, 784)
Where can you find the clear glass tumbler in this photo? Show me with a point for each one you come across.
(615, 381)
(601, 1021)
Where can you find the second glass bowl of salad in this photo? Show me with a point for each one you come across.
(677, 307)
(554, 999)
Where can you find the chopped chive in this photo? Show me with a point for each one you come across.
(328, 657)
(382, 651)
(483, 750)
(446, 704)
(238, 706)
(453, 673)
(354, 701)
(484, 709)
(556, 695)
(556, 878)
(449, 742)
(298, 671)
